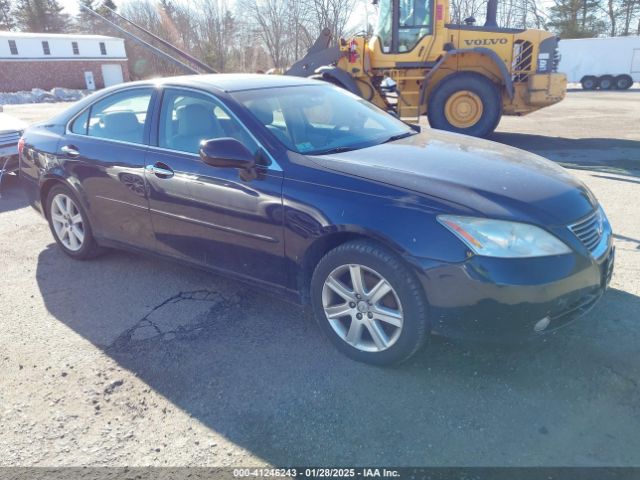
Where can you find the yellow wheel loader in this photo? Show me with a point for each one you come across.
(463, 77)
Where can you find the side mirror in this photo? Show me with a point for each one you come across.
(226, 152)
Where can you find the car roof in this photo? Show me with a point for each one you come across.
(227, 82)
(234, 82)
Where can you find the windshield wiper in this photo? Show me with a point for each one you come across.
(345, 148)
(393, 138)
(337, 150)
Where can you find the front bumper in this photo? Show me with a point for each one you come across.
(544, 89)
(507, 299)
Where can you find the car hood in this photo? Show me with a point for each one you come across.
(486, 178)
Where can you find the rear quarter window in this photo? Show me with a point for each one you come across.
(81, 123)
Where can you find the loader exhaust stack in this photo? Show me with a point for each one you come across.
(492, 13)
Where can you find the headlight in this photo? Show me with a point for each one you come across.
(499, 238)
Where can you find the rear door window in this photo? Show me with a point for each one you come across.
(120, 117)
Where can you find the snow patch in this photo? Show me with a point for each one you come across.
(38, 95)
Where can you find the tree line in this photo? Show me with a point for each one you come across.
(254, 35)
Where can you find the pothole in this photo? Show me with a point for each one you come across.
(177, 316)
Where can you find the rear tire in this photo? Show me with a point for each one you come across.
(465, 102)
(69, 224)
(380, 326)
(623, 82)
(605, 82)
(589, 82)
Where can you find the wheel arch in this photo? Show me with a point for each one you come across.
(468, 60)
(51, 180)
(46, 185)
(327, 242)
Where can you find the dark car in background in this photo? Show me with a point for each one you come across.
(306, 190)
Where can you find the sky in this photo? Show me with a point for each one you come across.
(70, 6)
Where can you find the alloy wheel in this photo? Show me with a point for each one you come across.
(67, 222)
(362, 308)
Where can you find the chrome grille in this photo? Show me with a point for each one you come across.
(589, 230)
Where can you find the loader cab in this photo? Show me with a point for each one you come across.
(403, 23)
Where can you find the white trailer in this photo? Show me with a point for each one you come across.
(603, 63)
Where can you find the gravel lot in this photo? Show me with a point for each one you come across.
(129, 360)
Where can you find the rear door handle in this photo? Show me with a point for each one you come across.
(70, 151)
(160, 170)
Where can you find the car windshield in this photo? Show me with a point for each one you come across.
(321, 119)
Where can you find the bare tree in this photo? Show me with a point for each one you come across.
(620, 14)
(6, 20)
(511, 13)
(271, 27)
(331, 14)
(301, 36)
(216, 28)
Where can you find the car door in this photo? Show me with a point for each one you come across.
(104, 150)
(217, 217)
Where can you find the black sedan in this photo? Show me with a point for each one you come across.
(301, 188)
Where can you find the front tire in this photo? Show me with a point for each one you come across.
(70, 225)
(369, 304)
(465, 102)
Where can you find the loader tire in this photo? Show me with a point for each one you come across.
(465, 102)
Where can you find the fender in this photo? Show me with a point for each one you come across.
(506, 77)
(331, 237)
(59, 176)
(341, 76)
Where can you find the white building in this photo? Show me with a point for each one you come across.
(47, 60)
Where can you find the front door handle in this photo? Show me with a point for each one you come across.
(70, 151)
(160, 170)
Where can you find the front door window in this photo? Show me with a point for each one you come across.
(187, 118)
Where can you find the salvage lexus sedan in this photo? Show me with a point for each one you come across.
(302, 188)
